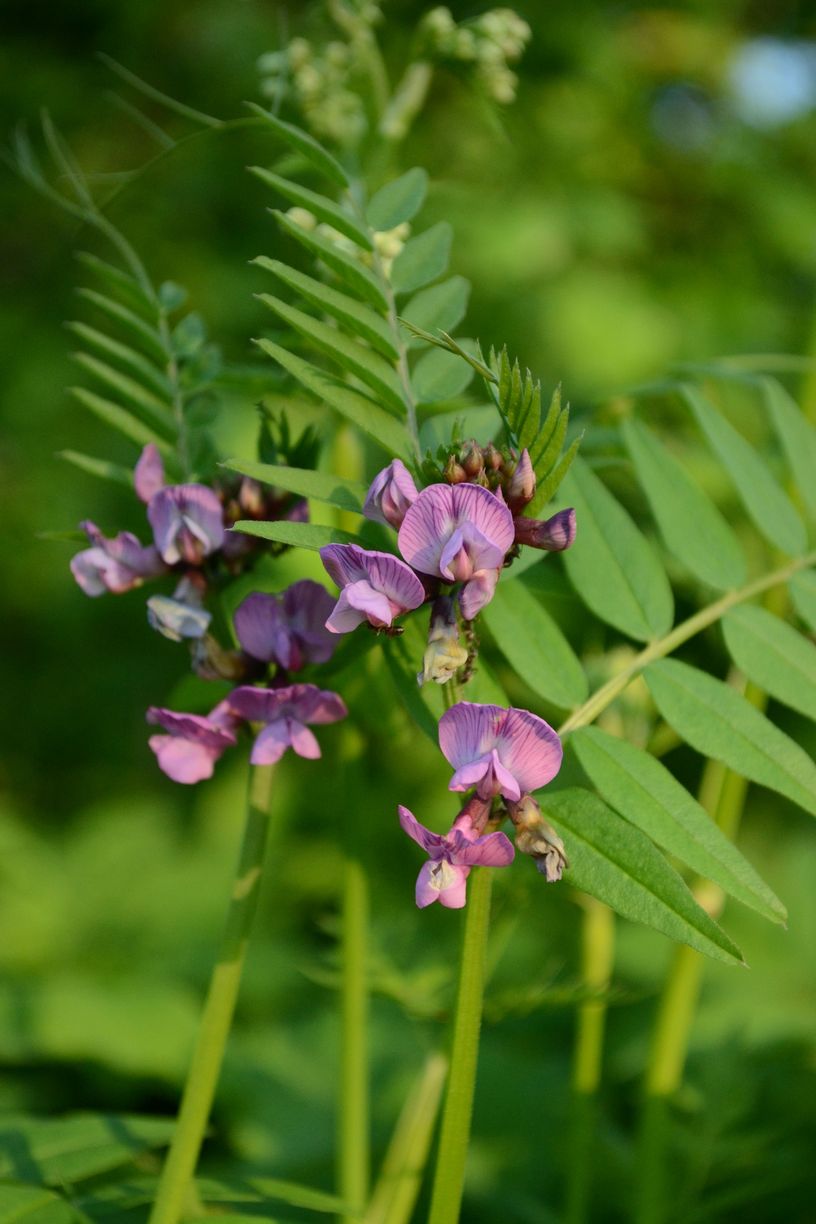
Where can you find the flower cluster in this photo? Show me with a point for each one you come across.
(504, 755)
(488, 44)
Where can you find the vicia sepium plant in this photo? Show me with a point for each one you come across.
(444, 547)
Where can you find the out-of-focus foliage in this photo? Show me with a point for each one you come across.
(651, 199)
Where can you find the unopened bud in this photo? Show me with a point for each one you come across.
(472, 460)
(536, 837)
(444, 654)
(302, 218)
(520, 488)
(553, 534)
(493, 457)
(251, 498)
(453, 471)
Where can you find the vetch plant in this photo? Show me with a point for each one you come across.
(442, 565)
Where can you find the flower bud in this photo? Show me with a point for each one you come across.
(444, 654)
(391, 493)
(472, 460)
(534, 836)
(212, 662)
(520, 488)
(553, 534)
(453, 471)
(493, 458)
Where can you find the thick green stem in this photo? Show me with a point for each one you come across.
(449, 1178)
(353, 1139)
(202, 1078)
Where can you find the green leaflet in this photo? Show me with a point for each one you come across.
(297, 139)
(717, 721)
(67, 1150)
(138, 365)
(647, 795)
(422, 259)
(323, 208)
(398, 201)
(691, 525)
(135, 326)
(765, 502)
(320, 486)
(357, 408)
(349, 269)
(615, 862)
(774, 656)
(403, 658)
(611, 565)
(798, 438)
(98, 467)
(120, 281)
(533, 644)
(482, 687)
(132, 392)
(252, 1189)
(25, 1204)
(802, 588)
(353, 358)
(356, 317)
(439, 308)
(296, 535)
(439, 376)
(119, 418)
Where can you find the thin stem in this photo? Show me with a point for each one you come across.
(449, 1178)
(353, 1139)
(607, 693)
(208, 1055)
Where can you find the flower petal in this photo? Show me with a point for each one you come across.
(492, 850)
(148, 475)
(303, 740)
(530, 749)
(468, 730)
(183, 760)
(430, 842)
(271, 743)
(439, 510)
(391, 492)
(260, 628)
(478, 592)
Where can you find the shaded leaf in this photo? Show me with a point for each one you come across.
(440, 308)
(119, 418)
(612, 860)
(398, 201)
(481, 421)
(422, 259)
(403, 659)
(320, 486)
(720, 723)
(690, 524)
(137, 364)
(774, 656)
(533, 644)
(33, 1205)
(296, 535)
(253, 1189)
(57, 1151)
(439, 376)
(135, 326)
(98, 467)
(135, 395)
(611, 565)
(297, 139)
(798, 438)
(649, 796)
(802, 588)
(122, 282)
(321, 206)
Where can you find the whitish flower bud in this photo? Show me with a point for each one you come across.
(444, 654)
(302, 218)
(438, 23)
(536, 837)
(300, 52)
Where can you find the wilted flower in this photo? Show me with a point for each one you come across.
(285, 713)
(536, 837)
(553, 534)
(451, 857)
(116, 565)
(459, 533)
(180, 616)
(444, 654)
(289, 629)
(194, 743)
(391, 492)
(499, 751)
(376, 587)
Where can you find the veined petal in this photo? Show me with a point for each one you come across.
(468, 730)
(148, 475)
(492, 850)
(478, 592)
(530, 749)
(259, 622)
(471, 773)
(391, 492)
(344, 618)
(430, 842)
(374, 605)
(485, 521)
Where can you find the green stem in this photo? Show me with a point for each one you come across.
(449, 1178)
(353, 1139)
(607, 693)
(208, 1055)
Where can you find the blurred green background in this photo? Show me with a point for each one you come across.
(649, 199)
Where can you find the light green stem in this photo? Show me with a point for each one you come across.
(353, 1139)
(449, 1178)
(202, 1078)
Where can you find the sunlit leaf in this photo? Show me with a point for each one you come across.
(356, 275)
(422, 259)
(33, 1205)
(798, 438)
(773, 655)
(803, 593)
(320, 486)
(533, 644)
(439, 308)
(398, 201)
(296, 535)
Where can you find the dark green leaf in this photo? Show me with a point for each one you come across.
(120, 281)
(119, 418)
(439, 376)
(99, 467)
(296, 535)
(133, 394)
(135, 326)
(798, 438)
(323, 208)
(647, 795)
(422, 259)
(439, 308)
(62, 1151)
(765, 502)
(398, 201)
(356, 317)
(357, 408)
(320, 158)
(612, 860)
(137, 364)
(611, 565)
(252, 1189)
(403, 658)
(774, 656)
(691, 525)
(350, 270)
(21, 1204)
(533, 644)
(172, 296)
(720, 723)
(320, 486)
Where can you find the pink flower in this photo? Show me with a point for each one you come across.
(148, 475)
(289, 629)
(508, 752)
(375, 586)
(116, 565)
(194, 743)
(285, 713)
(459, 533)
(444, 876)
(187, 522)
(392, 491)
(521, 487)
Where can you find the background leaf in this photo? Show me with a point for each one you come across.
(773, 655)
(422, 259)
(533, 644)
(297, 535)
(321, 486)
(398, 201)
(803, 593)
(440, 308)
(798, 438)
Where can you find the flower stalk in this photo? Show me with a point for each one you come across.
(205, 1068)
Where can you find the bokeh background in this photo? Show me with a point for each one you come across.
(649, 199)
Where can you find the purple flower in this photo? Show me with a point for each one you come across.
(286, 711)
(148, 475)
(187, 522)
(521, 487)
(451, 857)
(194, 743)
(114, 565)
(375, 586)
(289, 629)
(499, 751)
(553, 534)
(459, 533)
(392, 491)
